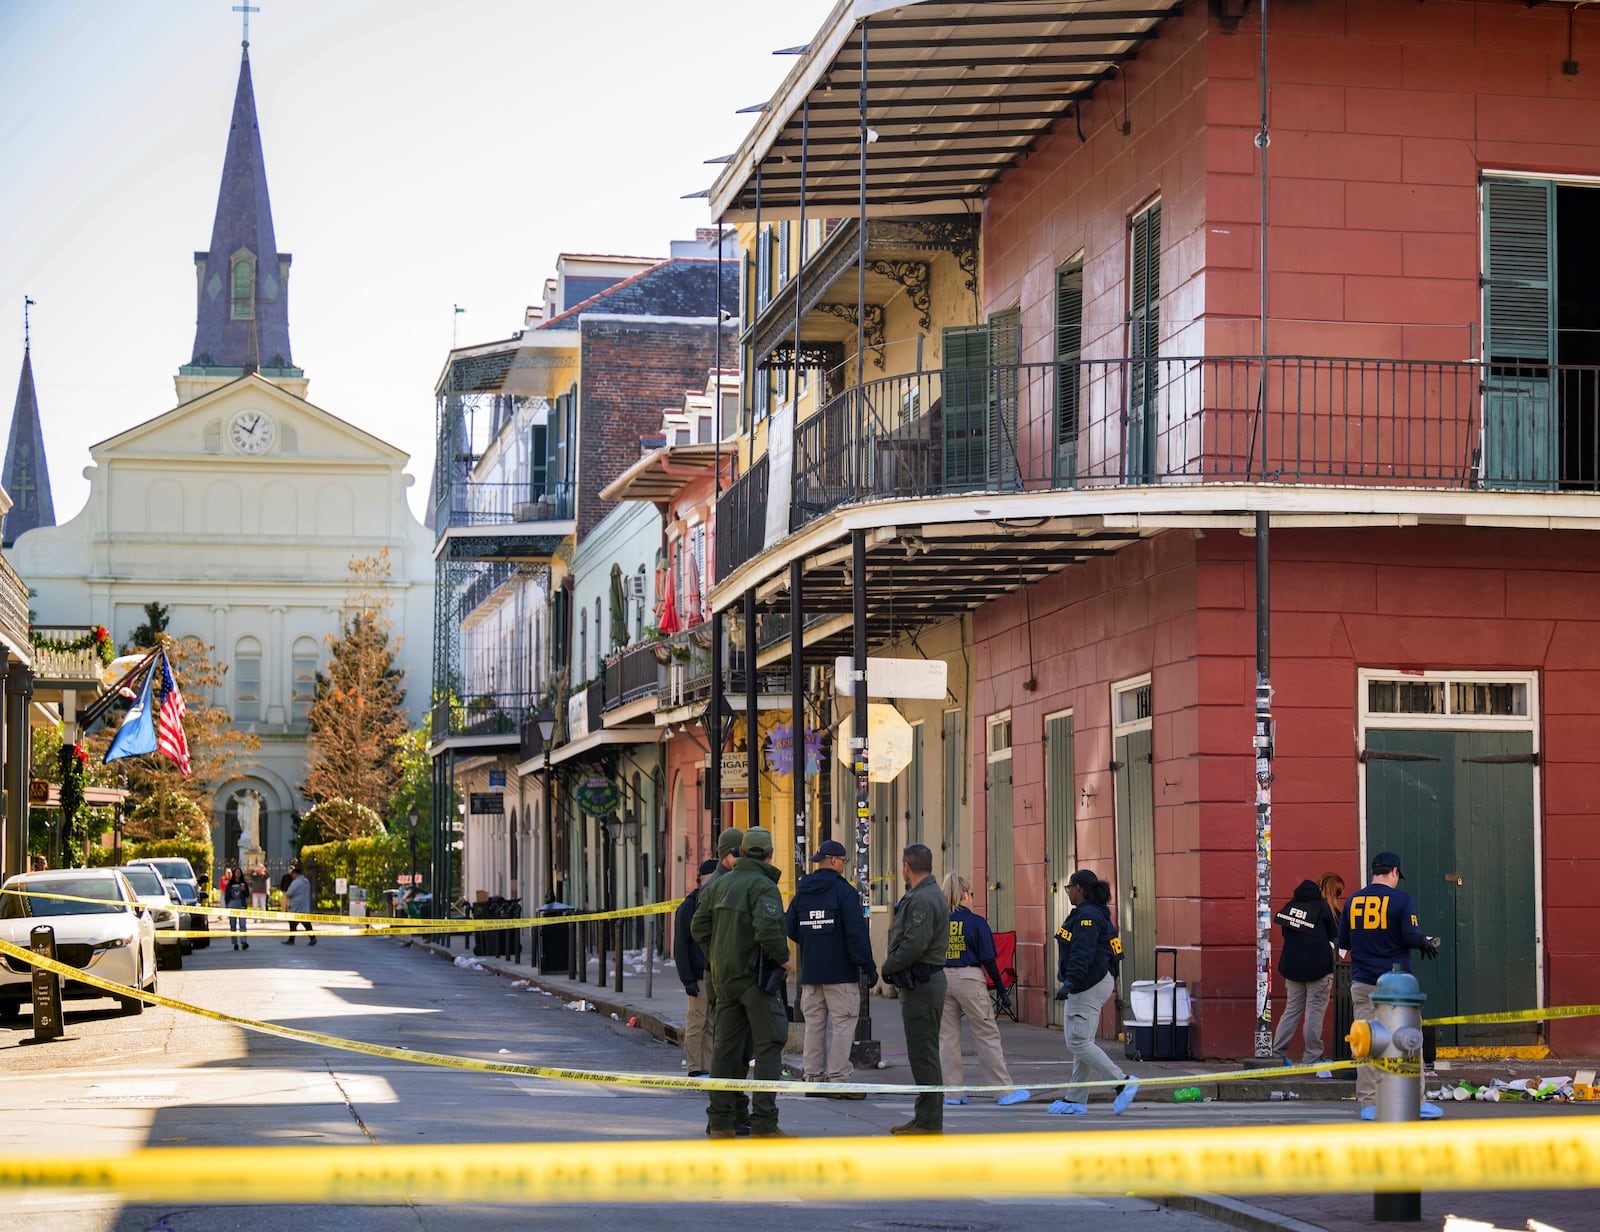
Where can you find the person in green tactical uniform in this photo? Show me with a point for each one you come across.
(727, 856)
(919, 935)
(740, 926)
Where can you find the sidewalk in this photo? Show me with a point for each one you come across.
(1037, 1059)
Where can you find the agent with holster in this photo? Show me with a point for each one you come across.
(740, 924)
(919, 935)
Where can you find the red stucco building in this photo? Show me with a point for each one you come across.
(1104, 421)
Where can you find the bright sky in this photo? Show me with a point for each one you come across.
(420, 154)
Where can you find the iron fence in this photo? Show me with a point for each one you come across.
(466, 503)
(635, 673)
(481, 714)
(1213, 419)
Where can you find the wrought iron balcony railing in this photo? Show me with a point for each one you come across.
(468, 504)
(634, 674)
(481, 714)
(1212, 419)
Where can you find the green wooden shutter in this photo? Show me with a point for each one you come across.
(1519, 334)
(1069, 351)
(783, 253)
(1005, 352)
(950, 816)
(1144, 343)
(966, 407)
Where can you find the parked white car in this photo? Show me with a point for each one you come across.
(175, 869)
(162, 900)
(113, 936)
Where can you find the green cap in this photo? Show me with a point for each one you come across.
(729, 842)
(758, 842)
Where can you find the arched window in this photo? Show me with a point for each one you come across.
(306, 661)
(244, 289)
(247, 681)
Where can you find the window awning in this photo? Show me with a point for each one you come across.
(956, 93)
(590, 742)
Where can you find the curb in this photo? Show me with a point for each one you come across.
(1237, 1214)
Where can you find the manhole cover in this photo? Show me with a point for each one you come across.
(923, 1225)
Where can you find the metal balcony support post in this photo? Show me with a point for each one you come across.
(797, 703)
(1262, 739)
(866, 1050)
(752, 729)
(713, 726)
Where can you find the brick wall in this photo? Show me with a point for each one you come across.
(632, 370)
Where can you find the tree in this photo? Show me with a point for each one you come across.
(358, 709)
(337, 819)
(155, 625)
(166, 815)
(218, 751)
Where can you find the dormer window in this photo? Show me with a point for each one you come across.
(244, 288)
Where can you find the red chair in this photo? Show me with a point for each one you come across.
(1005, 950)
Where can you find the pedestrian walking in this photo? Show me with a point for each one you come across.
(968, 955)
(1379, 928)
(919, 934)
(835, 951)
(297, 901)
(236, 895)
(1089, 958)
(691, 963)
(1309, 928)
(738, 922)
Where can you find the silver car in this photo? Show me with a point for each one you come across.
(111, 936)
(162, 901)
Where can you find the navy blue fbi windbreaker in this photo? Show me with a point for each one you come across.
(825, 918)
(1379, 928)
(971, 939)
(1087, 947)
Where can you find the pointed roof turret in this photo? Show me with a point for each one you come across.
(26, 477)
(242, 319)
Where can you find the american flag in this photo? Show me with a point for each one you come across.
(169, 722)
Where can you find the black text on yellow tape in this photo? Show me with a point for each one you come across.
(1466, 1155)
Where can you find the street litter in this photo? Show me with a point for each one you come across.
(580, 1005)
(505, 1052)
(468, 963)
(1559, 1090)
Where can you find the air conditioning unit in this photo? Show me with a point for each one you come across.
(636, 585)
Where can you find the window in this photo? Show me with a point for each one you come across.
(1069, 351)
(247, 681)
(1000, 736)
(1476, 698)
(583, 641)
(244, 289)
(305, 663)
(1133, 705)
(1144, 340)
(1541, 423)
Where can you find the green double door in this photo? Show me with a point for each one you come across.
(1457, 807)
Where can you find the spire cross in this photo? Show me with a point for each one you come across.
(27, 327)
(246, 9)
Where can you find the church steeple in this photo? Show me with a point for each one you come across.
(242, 280)
(26, 477)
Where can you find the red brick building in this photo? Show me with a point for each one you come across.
(1102, 426)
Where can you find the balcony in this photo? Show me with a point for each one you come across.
(57, 665)
(507, 520)
(1103, 424)
(14, 609)
(483, 718)
(637, 673)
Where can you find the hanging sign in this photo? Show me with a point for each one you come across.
(598, 797)
(780, 750)
(735, 772)
(924, 678)
(491, 802)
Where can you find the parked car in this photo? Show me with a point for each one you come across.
(195, 921)
(175, 869)
(113, 936)
(162, 902)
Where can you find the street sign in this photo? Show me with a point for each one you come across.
(888, 742)
(492, 802)
(924, 678)
(46, 988)
(735, 772)
(341, 885)
(497, 778)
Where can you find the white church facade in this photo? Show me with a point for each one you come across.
(240, 510)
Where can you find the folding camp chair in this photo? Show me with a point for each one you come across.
(1005, 948)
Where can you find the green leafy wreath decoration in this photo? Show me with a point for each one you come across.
(97, 639)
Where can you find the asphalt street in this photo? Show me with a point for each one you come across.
(117, 1083)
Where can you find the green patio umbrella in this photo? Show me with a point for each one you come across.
(619, 609)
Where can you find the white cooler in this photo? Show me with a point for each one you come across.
(1159, 1028)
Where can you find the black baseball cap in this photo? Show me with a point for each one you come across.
(707, 867)
(1384, 861)
(829, 848)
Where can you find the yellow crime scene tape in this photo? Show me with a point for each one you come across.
(1519, 1154)
(367, 924)
(1552, 1011)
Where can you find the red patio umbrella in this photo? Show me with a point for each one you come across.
(693, 606)
(667, 618)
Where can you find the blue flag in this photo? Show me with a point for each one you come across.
(138, 731)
